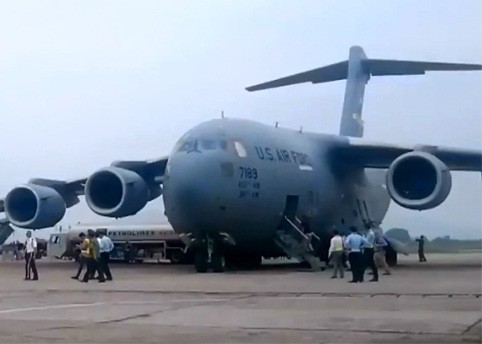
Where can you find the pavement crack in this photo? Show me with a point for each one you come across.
(471, 326)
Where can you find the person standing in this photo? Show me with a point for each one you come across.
(105, 246)
(83, 256)
(379, 248)
(354, 243)
(30, 251)
(368, 253)
(92, 248)
(421, 249)
(98, 265)
(335, 252)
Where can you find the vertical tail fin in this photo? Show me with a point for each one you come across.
(356, 78)
(357, 71)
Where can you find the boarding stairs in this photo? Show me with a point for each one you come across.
(296, 244)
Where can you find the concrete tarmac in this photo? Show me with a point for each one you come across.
(434, 302)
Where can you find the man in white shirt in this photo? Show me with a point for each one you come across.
(105, 246)
(368, 252)
(30, 251)
(335, 252)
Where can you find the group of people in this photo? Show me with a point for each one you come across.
(95, 248)
(362, 252)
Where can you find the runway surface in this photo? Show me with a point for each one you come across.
(439, 301)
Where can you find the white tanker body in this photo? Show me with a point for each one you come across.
(131, 242)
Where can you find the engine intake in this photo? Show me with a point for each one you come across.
(418, 180)
(34, 206)
(116, 192)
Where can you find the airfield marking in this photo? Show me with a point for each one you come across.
(119, 303)
(40, 308)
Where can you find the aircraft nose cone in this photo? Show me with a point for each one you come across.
(190, 191)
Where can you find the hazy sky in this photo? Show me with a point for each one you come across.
(83, 83)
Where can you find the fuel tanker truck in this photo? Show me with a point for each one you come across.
(132, 243)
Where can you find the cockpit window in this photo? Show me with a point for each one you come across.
(208, 144)
(240, 150)
(187, 145)
(200, 145)
(223, 144)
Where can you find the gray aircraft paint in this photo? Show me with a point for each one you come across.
(207, 191)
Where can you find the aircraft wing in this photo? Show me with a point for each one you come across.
(374, 155)
(151, 171)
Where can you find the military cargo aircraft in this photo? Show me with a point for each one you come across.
(237, 190)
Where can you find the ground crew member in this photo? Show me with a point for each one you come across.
(354, 243)
(30, 251)
(92, 256)
(335, 252)
(105, 247)
(379, 248)
(98, 265)
(368, 253)
(83, 257)
(421, 251)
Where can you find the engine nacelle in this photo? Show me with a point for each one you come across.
(418, 180)
(116, 192)
(34, 206)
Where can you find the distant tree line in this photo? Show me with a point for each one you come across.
(439, 244)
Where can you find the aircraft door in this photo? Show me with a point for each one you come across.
(291, 206)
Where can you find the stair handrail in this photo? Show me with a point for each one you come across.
(297, 230)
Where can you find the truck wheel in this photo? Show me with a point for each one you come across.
(201, 260)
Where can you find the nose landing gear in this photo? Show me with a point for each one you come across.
(209, 253)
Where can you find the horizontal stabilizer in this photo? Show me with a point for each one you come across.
(395, 67)
(372, 67)
(334, 72)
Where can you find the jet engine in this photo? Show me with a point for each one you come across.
(116, 192)
(418, 180)
(34, 206)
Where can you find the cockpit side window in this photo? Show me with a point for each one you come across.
(240, 149)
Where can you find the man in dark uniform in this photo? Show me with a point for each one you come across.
(354, 244)
(82, 257)
(421, 251)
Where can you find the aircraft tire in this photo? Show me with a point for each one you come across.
(201, 261)
(217, 261)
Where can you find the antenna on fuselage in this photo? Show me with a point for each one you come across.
(276, 124)
(222, 113)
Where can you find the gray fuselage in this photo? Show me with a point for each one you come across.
(234, 176)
